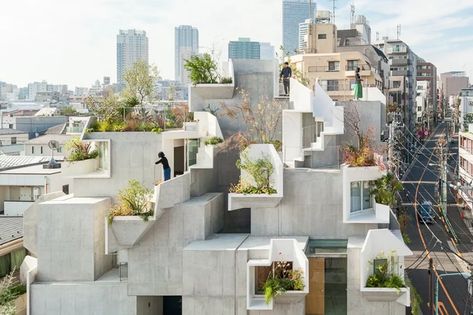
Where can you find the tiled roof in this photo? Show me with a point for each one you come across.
(11, 228)
(11, 161)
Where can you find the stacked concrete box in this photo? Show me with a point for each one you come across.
(74, 250)
(210, 277)
(155, 264)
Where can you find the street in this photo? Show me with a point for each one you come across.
(433, 241)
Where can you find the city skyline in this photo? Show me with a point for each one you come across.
(87, 32)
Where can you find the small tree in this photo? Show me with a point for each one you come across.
(262, 120)
(140, 83)
(202, 69)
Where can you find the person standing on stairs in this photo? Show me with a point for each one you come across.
(285, 76)
(166, 169)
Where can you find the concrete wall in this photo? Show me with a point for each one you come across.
(74, 249)
(73, 298)
(155, 264)
(356, 304)
(312, 206)
(133, 155)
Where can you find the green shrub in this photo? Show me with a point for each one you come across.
(202, 69)
(386, 188)
(381, 278)
(10, 289)
(225, 80)
(281, 280)
(260, 170)
(79, 150)
(134, 200)
(213, 141)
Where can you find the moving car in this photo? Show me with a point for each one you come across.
(425, 213)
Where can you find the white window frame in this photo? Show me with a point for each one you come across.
(362, 197)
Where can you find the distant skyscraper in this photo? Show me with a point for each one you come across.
(295, 12)
(266, 51)
(186, 45)
(243, 48)
(132, 46)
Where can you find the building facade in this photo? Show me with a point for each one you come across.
(293, 13)
(403, 63)
(186, 45)
(427, 72)
(132, 46)
(452, 83)
(244, 48)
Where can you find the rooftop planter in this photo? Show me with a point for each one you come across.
(131, 218)
(382, 268)
(286, 276)
(261, 179)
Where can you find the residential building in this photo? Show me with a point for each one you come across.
(334, 68)
(427, 72)
(359, 33)
(36, 87)
(169, 90)
(186, 45)
(243, 48)
(423, 115)
(403, 62)
(12, 137)
(8, 92)
(452, 83)
(132, 46)
(466, 108)
(295, 12)
(200, 233)
(465, 171)
(32, 125)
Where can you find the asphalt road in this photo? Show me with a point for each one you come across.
(433, 240)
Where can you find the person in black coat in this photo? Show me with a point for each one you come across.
(166, 169)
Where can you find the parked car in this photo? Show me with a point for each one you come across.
(425, 213)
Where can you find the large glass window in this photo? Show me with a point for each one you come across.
(352, 65)
(360, 197)
(332, 85)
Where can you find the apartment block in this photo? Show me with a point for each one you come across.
(132, 46)
(186, 45)
(427, 72)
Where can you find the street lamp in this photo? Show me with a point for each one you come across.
(466, 275)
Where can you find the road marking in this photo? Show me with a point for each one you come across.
(442, 308)
(439, 279)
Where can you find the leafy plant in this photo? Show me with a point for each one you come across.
(134, 200)
(10, 289)
(225, 80)
(140, 83)
(382, 278)
(79, 150)
(386, 188)
(202, 69)
(260, 170)
(361, 155)
(281, 279)
(68, 111)
(213, 141)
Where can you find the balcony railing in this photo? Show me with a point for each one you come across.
(362, 66)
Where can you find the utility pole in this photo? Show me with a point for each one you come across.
(431, 286)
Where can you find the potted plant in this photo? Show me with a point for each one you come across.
(130, 218)
(383, 277)
(282, 278)
(260, 171)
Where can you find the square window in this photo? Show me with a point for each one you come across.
(322, 36)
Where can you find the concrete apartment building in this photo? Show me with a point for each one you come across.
(466, 108)
(403, 63)
(207, 251)
(186, 45)
(335, 67)
(245, 48)
(465, 171)
(427, 72)
(424, 112)
(132, 45)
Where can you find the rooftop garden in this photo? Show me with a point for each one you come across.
(79, 150)
(203, 70)
(384, 273)
(282, 278)
(134, 200)
(132, 110)
(260, 171)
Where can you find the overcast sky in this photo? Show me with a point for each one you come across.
(74, 42)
